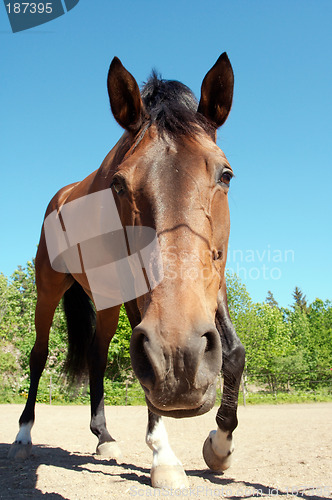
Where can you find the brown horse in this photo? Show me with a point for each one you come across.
(167, 175)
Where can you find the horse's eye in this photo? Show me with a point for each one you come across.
(226, 178)
(118, 187)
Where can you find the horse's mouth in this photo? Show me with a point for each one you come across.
(172, 411)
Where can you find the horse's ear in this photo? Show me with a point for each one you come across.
(217, 92)
(125, 98)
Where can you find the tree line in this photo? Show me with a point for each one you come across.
(285, 347)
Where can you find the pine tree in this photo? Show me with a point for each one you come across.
(299, 299)
(271, 300)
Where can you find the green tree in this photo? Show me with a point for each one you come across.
(271, 300)
(6, 310)
(299, 299)
(119, 364)
(238, 298)
(320, 334)
(268, 343)
(23, 305)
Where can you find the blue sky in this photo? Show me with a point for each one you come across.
(57, 126)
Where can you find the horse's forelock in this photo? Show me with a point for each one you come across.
(172, 107)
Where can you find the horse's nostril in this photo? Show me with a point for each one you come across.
(140, 361)
(212, 350)
(210, 340)
(217, 254)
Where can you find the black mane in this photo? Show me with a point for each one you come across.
(172, 107)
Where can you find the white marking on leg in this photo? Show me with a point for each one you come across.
(221, 444)
(24, 434)
(157, 440)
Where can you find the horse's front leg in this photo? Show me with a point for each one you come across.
(167, 471)
(48, 299)
(21, 448)
(219, 446)
(107, 321)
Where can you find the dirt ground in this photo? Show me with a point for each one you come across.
(280, 451)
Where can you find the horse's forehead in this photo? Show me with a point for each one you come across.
(182, 152)
(210, 150)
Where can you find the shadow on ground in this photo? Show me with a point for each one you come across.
(235, 490)
(18, 479)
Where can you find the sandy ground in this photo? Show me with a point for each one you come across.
(280, 451)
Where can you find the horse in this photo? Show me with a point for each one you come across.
(163, 187)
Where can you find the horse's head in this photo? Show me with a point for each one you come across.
(173, 178)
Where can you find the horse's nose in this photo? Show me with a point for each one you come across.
(190, 361)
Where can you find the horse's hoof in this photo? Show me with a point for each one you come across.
(19, 451)
(169, 477)
(213, 461)
(110, 449)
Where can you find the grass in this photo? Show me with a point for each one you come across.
(117, 393)
(319, 396)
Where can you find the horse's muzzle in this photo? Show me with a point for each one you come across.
(178, 372)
